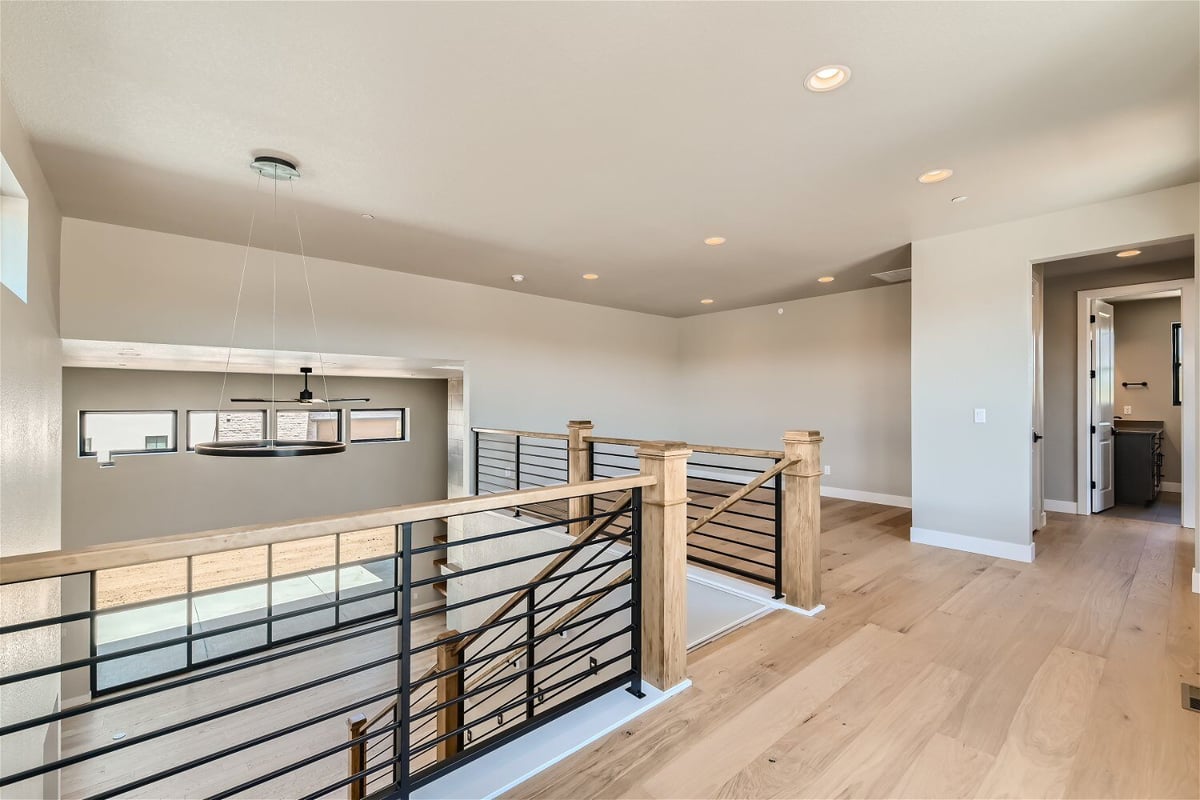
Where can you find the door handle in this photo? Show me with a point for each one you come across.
(1037, 437)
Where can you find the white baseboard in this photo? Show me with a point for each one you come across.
(1061, 506)
(973, 544)
(896, 500)
(1196, 580)
(1172, 486)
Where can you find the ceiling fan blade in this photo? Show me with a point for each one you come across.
(264, 400)
(348, 400)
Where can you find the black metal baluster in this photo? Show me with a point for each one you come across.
(517, 471)
(778, 534)
(405, 661)
(530, 652)
(635, 592)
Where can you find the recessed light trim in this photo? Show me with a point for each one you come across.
(715, 241)
(518, 278)
(962, 198)
(590, 276)
(708, 301)
(368, 217)
(1129, 253)
(825, 279)
(935, 175)
(827, 78)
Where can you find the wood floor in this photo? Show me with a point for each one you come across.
(935, 673)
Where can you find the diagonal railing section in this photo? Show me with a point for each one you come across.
(552, 624)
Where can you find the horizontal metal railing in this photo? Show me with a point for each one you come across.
(270, 723)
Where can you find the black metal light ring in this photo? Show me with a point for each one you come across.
(270, 448)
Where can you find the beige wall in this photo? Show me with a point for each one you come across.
(1142, 330)
(839, 364)
(1060, 307)
(30, 478)
(972, 318)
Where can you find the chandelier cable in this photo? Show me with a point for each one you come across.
(237, 307)
(308, 287)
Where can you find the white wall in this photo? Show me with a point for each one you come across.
(838, 364)
(30, 467)
(972, 318)
(532, 363)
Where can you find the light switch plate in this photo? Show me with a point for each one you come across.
(980, 415)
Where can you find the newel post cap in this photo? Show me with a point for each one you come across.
(804, 437)
(580, 423)
(664, 450)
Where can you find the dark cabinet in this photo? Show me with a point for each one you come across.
(1139, 463)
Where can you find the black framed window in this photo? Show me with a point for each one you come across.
(314, 426)
(240, 425)
(378, 425)
(1176, 364)
(127, 432)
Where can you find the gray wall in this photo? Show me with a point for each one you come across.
(1143, 335)
(972, 318)
(1060, 308)
(838, 364)
(30, 481)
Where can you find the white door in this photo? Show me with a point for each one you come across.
(1103, 377)
(1038, 510)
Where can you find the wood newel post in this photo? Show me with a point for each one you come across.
(579, 470)
(358, 756)
(449, 689)
(664, 563)
(801, 531)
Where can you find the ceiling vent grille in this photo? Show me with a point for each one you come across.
(895, 275)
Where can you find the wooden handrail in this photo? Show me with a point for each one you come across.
(588, 534)
(529, 434)
(724, 505)
(696, 448)
(57, 563)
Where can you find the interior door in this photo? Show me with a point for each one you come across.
(1037, 519)
(1103, 377)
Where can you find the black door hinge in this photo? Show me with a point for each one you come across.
(1093, 319)
(1093, 430)
(1093, 484)
(1093, 374)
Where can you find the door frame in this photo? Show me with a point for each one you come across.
(1083, 461)
(1038, 362)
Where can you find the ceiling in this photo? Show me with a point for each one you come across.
(556, 139)
(1157, 253)
(199, 358)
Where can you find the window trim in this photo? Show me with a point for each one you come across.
(1176, 363)
(83, 452)
(188, 420)
(341, 419)
(404, 412)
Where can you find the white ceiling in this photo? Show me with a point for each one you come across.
(554, 139)
(1157, 253)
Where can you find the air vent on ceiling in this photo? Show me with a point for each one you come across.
(895, 275)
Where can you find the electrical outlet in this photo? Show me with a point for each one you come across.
(1128, 410)
(980, 416)
(828, 470)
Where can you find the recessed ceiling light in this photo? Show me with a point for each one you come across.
(590, 276)
(713, 241)
(826, 279)
(1129, 253)
(961, 198)
(935, 175)
(518, 278)
(827, 78)
(707, 301)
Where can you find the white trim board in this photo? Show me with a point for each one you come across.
(1172, 486)
(1062, 506)
(505, 767)
(1196, 580)
(973, 544)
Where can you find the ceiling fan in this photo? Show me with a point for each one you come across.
(306, 395)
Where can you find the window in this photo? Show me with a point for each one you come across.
(125, 432)
(1176, 364)
(235, 426)
(379, 425)
(313, 426)
(14, 234)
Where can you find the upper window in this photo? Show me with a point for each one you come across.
(235, 426)
(313, 426)
(14, 234)
(114, 433)
(379, 425)
(1176, 364)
